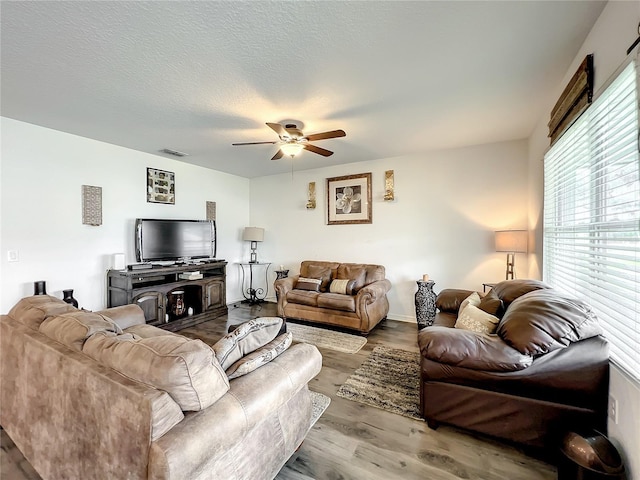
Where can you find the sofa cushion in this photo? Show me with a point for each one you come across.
(450, 299)
(31, 311)
(308, 283)
(473, 299)
(260, 356)
(147, 331)
(545, 320)
(303, 297)
(342, 286)
(336, 301)
(509, 290)
(463, 348)
(246, 338)
(358, 273)
(492, 304)
(72, 329)
(186, 369)
(322, 272)
(476, 320)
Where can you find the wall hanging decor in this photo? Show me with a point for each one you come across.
(388, 186)
(91, 205)
(311, 196)
(349, 199)
(211, 210)
(161, 186)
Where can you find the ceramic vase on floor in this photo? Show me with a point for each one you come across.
(425, 303)
(40, 287)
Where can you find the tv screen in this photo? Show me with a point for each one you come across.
(170, 240)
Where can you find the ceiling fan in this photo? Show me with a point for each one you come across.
(293, 141)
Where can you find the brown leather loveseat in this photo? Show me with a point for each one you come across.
(349, 295)
(543, 373)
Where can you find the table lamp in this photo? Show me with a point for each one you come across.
(253, 235)
(512, 242)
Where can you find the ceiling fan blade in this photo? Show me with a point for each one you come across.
(318, 150)
(255, 143)
(278, 155)
(326, 135)
(279, 129)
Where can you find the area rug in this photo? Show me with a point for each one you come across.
(388, 379)
(325, 338)
(319, 402)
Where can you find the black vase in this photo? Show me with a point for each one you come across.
(40, 287)
(425, 304)
(68, 297)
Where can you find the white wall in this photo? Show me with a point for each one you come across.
(41, 216)
(448, 204)
(613, 33)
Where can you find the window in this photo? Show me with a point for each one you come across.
(592, 215)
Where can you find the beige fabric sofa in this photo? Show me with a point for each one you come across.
(361, 311)
(74, 417)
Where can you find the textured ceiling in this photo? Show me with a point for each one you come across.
(399, 77)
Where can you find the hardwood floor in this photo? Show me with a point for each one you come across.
(353, 441)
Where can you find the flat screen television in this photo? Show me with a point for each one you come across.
(162, 240)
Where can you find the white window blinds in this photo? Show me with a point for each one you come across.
(592, 215)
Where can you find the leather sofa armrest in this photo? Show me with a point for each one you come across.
(282, 286)
(467, 349)
(125, 316)
(371, 292)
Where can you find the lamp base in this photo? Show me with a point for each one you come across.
(511, 265)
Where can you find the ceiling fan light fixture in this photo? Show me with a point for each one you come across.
(291, 149)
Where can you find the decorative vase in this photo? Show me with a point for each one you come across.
(40, 287)
(68, 297)
(425, 304)
(178, 307)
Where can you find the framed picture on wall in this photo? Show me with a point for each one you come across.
(349, 199)
(161, 186)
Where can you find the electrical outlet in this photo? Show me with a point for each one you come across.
(13, 256)
(613, 408)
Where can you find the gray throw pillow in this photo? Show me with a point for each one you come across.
(260, 357)
(245, 339)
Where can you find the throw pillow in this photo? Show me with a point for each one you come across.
(476, 320)
(356, 272)
(246, 338)
(344, 287)
(492, 304)
(321, 272)
(260, 357)
(311, 284)
(473, 299)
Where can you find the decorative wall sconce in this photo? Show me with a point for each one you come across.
(388, 186)
(211, 210)
(311, 196)
(91, 205)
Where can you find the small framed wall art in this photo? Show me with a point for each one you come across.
(161, 186)
(349, 199)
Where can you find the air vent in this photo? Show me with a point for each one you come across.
(175, 153)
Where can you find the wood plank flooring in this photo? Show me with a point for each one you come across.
(353, 441)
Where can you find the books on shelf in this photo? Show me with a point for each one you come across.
(191, 275)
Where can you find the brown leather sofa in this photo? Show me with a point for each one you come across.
(360, 309)
(545, 372)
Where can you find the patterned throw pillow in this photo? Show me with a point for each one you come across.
(311, 284)
(246, 338)
(344, 287)
(322, 272)
(260, 357)
(473, 299)
(476, 320)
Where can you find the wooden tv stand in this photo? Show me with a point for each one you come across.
(152, 289)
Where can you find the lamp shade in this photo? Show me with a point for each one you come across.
(513, 241)
(253, 234)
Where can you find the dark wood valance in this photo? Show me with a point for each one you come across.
(574, 100)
